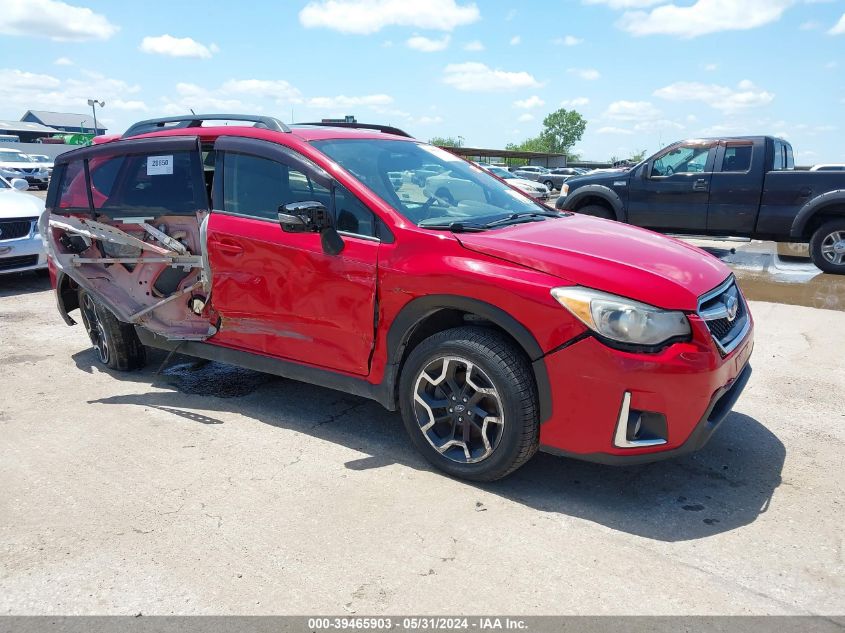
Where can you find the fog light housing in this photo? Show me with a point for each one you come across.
(639, 429)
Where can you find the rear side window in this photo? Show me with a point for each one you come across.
(782, 158)
(737, 158)
(134, 185)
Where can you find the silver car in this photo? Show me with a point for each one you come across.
(21, 247)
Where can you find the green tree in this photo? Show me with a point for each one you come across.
(447, 141)
(562, 129)
(635, 158)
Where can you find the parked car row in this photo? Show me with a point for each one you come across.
(551, 178)
(35, 170)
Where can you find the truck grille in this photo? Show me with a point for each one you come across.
(13, 229)
(22, 261)
(724, 312)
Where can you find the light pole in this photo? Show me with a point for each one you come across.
(94, 103)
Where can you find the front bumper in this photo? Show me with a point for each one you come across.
(690, 384)
(23, 253)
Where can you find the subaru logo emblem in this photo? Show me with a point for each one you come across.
(731, 306)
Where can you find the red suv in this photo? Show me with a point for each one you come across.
(495, 325)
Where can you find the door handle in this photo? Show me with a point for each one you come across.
(227, 246)
(700, 185)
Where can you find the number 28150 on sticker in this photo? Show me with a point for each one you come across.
(159, 165)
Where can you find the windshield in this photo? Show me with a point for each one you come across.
(14, 157)
(429, 186)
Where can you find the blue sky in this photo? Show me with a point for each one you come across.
(642, 72)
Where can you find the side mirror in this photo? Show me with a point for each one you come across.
(303, 217)
(20, 184)
(311, 217)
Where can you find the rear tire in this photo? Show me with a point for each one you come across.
(827, 247)
(469, 403)
(116, 344)
(597, 211)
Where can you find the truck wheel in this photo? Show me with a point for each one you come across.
(469, 403)
(827, 247)
(115, 342)
(598, 211)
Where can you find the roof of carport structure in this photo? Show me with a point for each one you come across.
(501, 153)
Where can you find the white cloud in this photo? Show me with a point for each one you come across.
(568, 40)
(515, 40)
(177, 47)
(63, 61)
(631, 111)
(703, 17)
(277, 89)
(839, 27)
(531, 102)
(427, 45)
(625, 4)
(474, 46)
(427, 120)
(477, 77)
(342, 101)
(577, 102)
(745, 95)
(369, 16)
(525, 117)
(809, 25)
(590, 74)
(55, 20)
(613, 130)
(711, 67)
(25, 90)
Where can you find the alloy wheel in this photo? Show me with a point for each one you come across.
(833, 247)
(94, 327)
(458, 409)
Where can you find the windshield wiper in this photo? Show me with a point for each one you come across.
(455, 227)
(523, 216)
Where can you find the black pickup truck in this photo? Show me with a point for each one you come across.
(726, 187)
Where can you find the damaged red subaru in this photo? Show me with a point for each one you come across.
(357, 258)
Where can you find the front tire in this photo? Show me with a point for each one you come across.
(469, 403)
(827, 247)
(116, 344)
(550, 185)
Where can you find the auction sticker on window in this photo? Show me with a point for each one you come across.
(159, 165)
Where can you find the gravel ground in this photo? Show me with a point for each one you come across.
(128, 493)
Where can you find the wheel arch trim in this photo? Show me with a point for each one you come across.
(417, 310)
(812, 208)
(601, 191)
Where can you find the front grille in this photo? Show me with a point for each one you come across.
(22, 261)
(14, 229)
(726, 315)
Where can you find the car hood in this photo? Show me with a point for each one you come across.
(609, 256)
(16, 204)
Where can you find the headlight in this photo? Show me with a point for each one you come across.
(620, 319)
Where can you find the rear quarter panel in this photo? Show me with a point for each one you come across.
(784, 195)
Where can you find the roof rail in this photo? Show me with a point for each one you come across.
(196, 120)
(387, 129)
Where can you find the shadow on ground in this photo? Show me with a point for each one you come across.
(23, 283)
(724, 486)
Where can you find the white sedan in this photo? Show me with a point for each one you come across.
(21, 248)
(536, 190)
